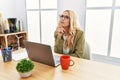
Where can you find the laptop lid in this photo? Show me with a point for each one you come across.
(40, 53)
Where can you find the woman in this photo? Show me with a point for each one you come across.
(69, 39)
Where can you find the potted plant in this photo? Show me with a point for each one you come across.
(25, 67)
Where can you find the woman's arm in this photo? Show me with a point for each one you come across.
(79, 46)
(58, 43)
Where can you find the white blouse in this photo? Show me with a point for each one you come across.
(65, 50)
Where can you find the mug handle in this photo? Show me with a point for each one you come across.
(72, 62)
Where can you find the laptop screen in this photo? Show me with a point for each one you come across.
(39, 52)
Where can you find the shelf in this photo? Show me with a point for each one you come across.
(11, 39)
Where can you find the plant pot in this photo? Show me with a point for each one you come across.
(26, 74)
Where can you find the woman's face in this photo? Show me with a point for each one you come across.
(65, 19)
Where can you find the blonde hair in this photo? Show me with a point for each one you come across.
(72, 29)
(0, 18)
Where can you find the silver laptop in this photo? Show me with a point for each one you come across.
(41, 53)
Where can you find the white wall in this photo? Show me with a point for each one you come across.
(21, 12)
(13, 9)
(7, 8)
(76, 5)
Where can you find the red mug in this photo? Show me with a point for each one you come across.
(65, 62)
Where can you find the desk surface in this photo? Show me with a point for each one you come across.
(82, 70)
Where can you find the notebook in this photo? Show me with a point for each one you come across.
(41, 53)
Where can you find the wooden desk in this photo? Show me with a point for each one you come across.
(82, 70)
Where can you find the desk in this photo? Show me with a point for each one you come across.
(82, 70)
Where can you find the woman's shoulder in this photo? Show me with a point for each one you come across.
(55, 33)
(79, 32)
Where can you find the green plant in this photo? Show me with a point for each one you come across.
(25, 66)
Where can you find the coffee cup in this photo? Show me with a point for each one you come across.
(66, 62)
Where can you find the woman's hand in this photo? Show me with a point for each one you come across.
(60, 31)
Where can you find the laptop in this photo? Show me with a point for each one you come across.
(41, 53)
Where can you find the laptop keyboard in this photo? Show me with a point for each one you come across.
(57, 59)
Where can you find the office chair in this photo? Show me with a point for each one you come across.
(87, 54)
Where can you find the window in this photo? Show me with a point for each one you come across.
(33, 22)
(41, 20)
(99, 3)
(49, 28)
(115, 45)
(97, 30)
(46, 4)
(117, 3)
(32, 4)
(102, 27)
